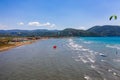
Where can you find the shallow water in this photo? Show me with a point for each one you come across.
(74, 59)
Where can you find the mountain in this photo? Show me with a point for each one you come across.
(76, 32)
(106, 30)
(30, 33)
(50, 33)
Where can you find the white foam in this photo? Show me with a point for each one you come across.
(74, 46)
(116, 60)
(87, 42)
(101, 54)
(114, 73)
(70, 40)
(114, 46)
(92, 66)
(86, 55)
(91, 60)
(104, 79)
(85, 49)
(96, 53)
(87, 77)
(109, 70)
(83, 60)
(77, 60)
(90, 51)
(102, 60)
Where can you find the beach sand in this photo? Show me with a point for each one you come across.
(15, 44)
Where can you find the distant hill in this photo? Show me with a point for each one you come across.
(106, 30)
(30, 33)
(50, 33)
(76, 32)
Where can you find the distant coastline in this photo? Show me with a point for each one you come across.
(13, 38)
(95, 31)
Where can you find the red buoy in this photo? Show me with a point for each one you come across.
(54, 46)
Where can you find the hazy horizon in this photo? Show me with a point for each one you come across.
(60, 29)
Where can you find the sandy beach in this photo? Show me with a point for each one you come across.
(15, 44)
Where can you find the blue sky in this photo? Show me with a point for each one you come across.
(57, 14)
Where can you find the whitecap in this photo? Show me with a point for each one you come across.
(104, 79)
(90, 51)
(83, 60)
(87, 77)
(116, 60)
(92, 66)
(114, 73)
(102, 60)
(77, 60)
(113, 46)
(86, 55)
(87, 42)
(85, 49)
(109, 70)
(91, 60)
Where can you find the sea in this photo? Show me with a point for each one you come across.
(74, 58)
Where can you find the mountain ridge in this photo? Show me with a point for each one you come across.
(106, 30)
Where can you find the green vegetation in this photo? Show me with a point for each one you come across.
(4, 41)
(106, 30)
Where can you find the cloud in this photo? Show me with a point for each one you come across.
(83, 28)
(21, 23)
(47, 24)
(3, 26)
(34, 24)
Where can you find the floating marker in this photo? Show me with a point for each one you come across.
(54, 46)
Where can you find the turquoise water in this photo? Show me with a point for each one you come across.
(84, 58)
(109, 40)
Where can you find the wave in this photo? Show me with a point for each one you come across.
(116, 60)
(73, 45)
(114, 46)
(93, 66)
(89, 57)
(85, 55)
(87, 77)
(87, 42)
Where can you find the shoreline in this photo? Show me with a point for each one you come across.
(17, 44)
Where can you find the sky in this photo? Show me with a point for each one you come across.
(57, 14)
